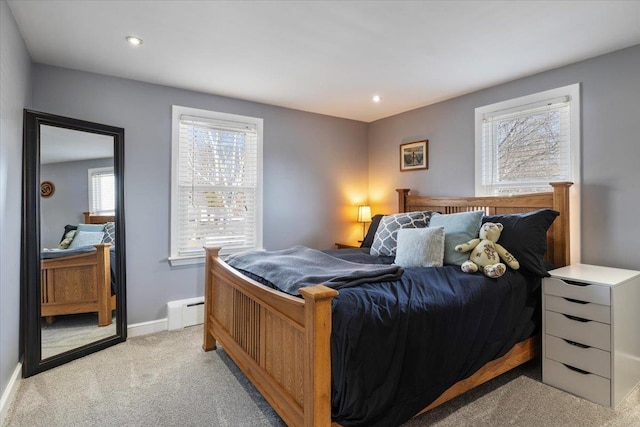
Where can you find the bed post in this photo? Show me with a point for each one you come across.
(103, 279)
(317, 354)
(561, 240)
(402, 199)
(209, 341)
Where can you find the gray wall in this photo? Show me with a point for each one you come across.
(610, 202)
(15, 94)
(70, 199)
(315, 172)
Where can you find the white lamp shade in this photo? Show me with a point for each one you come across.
(364, 213)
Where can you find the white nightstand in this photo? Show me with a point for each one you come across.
(591, 332)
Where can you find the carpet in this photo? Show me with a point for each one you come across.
(165, 379)
(524, 401)
(72, 331)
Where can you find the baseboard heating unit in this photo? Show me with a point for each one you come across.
(185, 312)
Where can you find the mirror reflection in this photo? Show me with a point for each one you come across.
(77, 239)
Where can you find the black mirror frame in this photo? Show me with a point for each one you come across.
(30, 325)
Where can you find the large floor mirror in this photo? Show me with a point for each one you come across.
(73, 240)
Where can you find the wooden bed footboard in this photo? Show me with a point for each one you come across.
(78, 284)
(282, 343)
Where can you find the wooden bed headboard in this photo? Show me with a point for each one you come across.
(90, 218)
(557, 238)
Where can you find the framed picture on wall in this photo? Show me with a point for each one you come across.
(414, 155)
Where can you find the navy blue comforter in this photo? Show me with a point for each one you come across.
(396, 346)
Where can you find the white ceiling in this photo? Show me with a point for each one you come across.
(68, 145)
(328, 57)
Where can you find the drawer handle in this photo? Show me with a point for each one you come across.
(577, 344)
(573, 282)
(577, 319)
(576, 301)
(580, 371)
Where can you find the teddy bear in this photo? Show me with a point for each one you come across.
(487, 253)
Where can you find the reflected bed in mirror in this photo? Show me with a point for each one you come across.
(78, 281)
(73, 270)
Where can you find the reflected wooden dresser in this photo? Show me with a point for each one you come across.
(591, 332)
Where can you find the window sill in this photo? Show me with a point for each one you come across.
(175, 261)
(178, 261)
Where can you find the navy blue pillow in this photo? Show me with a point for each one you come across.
(525, 236)
(368, 240)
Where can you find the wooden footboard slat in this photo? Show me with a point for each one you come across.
(245, 324)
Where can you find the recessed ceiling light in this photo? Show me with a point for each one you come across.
(376, 98)
(136, 41)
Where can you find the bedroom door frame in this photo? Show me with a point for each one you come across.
(30, 297)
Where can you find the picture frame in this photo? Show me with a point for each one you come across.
(414, 155)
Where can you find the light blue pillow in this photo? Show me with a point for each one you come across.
(458, 228)
(91, 227)
(86, 238)
(420, 247)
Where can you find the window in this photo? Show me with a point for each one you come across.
(216, 192)
(525, 143)
(102, 191)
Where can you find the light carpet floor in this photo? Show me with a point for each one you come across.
(72, 331)
(165, 379)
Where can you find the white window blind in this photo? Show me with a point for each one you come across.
(216, 185)
(102, 193)
(523, 149)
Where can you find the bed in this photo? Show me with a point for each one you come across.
(283, 343)
(79, 281)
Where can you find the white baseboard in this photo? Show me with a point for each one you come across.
(144, 328)
(10, 392)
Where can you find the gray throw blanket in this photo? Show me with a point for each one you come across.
(297, 267)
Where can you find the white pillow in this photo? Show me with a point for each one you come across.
(86, 238)
(420, 247)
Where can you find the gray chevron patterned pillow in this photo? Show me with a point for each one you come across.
(109, 233)
(385, 241)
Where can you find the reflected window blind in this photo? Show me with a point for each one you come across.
(217, 186)
(102, 193)
(525, 148)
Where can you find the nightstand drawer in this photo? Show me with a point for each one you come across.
(589, 310)
(588, 293)
(590, 359)
(591, 333)
(590, 386)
